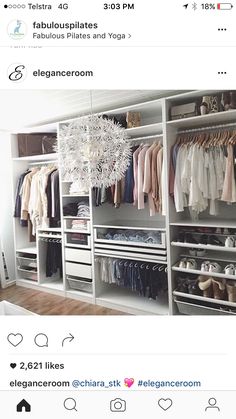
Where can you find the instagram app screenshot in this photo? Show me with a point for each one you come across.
(117, 211)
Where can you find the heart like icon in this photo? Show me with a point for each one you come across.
(13, 366)
(165, 404)
(128, 382)
(15, 339)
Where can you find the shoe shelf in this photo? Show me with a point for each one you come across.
(205, 233)
(206, 273)
(212, 257)
(204, 246)
(205, 299)
(205, 223)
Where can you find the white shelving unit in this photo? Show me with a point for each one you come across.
(79, 258)
(204, 246)
(37, 158)
(204, 120)
(146, 130)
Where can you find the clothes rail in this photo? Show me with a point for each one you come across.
(149, 137)
(213, 127)
(48, 240)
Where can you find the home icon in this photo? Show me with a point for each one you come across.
(23, 406)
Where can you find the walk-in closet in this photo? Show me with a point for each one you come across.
(161, 241)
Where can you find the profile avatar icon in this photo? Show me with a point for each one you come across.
(18, 25)
(17, 29)
(212, 404)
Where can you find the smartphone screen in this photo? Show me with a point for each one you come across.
(117, 215)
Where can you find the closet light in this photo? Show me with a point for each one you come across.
(93, 151)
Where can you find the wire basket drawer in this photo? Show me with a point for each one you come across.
(80, 284)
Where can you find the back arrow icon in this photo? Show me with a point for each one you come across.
(69, 338)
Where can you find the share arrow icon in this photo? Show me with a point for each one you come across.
(68, 338)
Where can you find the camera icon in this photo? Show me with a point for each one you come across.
(118, 405)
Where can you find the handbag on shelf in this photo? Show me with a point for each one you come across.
(133, 119)
(49, 144)
(210, 104)
(36, 144)
(228, 100)
(183, 111)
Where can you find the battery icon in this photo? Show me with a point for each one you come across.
(224, 6)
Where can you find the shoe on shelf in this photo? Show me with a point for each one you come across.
(193, 252)
(190, 239)
(229, 269)
(201, 252)
(183, 263)
(181, 237)
(205, 266)
(231, 291)
(205, 285)
(229, 241)
(191, 264)
(226, 231)
(182, 285)
(214, 241)
(203, 239)
(218, 230)
(193, 287)
(219, 289)
(214, 267)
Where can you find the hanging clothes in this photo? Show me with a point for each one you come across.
(204, 173)
(147, 182)
(37, 198)
(129, 181)
(147, 279)
(143, 181)
(18, 199)
(53, 259)
(141, 165)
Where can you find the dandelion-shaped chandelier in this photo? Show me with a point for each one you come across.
(93, 151)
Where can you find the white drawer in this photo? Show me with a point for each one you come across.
(78, 255)
(76, 269)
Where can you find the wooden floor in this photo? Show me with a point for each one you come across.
(49, 304)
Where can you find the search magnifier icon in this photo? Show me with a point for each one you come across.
(70, 404)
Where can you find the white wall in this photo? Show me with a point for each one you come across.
(6, 204)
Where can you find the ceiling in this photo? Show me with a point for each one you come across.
(26, 108)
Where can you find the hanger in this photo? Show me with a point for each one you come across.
(143, 266)
(232, 140)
